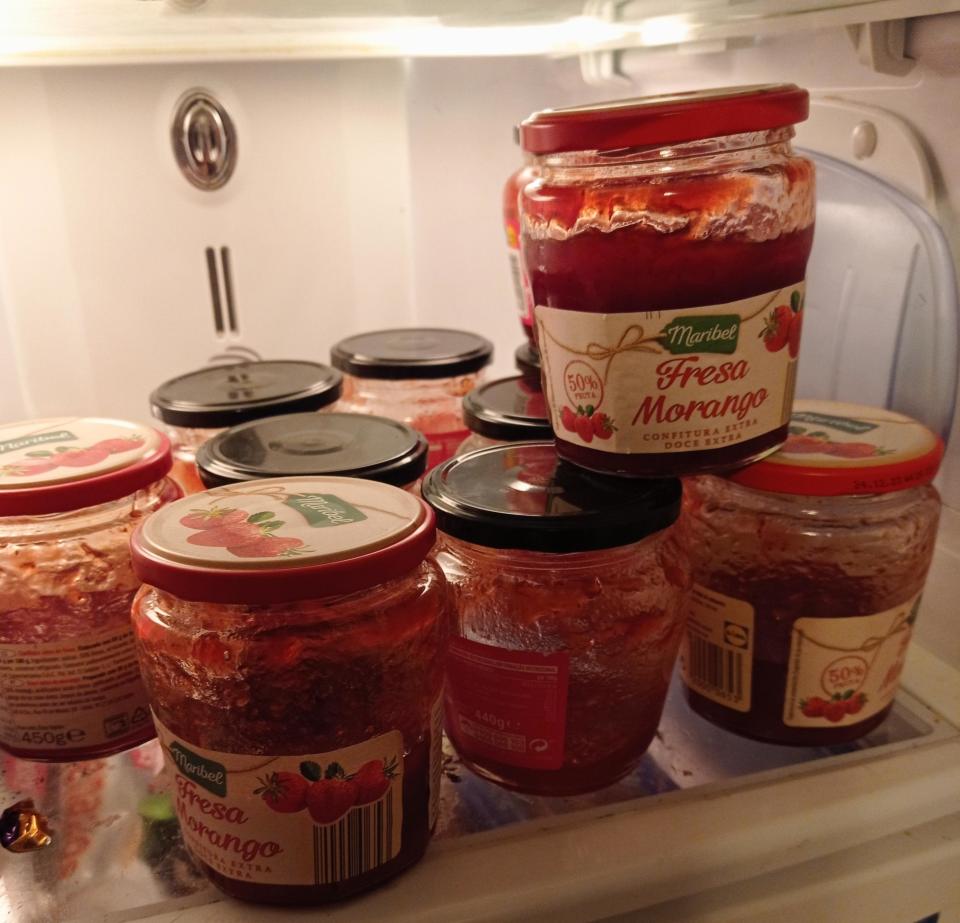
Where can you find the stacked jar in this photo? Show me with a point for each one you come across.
(72, 489)
(418, 376)
(666, 240)
(313, 444)
(196, 406)
(291, 636)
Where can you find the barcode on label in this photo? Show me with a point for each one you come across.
(719, 668)
(359, 842)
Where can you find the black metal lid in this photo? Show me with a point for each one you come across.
(527, 360)
(412, 352)
(307, 444)
(523, 496)
(507, 409)
(224, 395)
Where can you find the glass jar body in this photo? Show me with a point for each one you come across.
(813, 570)
(185, 441)
(66, 585)
(433, 406)
(475, 441)
(673, 243)
(611, 619)
(511, 223)
(306, 678)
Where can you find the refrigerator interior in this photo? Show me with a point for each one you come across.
(367, 193)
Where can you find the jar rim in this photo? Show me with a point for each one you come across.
(664, 119)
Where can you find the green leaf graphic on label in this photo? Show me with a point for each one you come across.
(717, 333)
(260, 517)
(23, 442)
(208, 774)
(322, 510)
(844, 424)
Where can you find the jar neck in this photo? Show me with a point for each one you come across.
(89, 518)
(747, 150)
(408, 390)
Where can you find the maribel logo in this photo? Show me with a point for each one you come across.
(25, 442)
(844, 424)
(322, 510)
(717, 333)
(209, 774)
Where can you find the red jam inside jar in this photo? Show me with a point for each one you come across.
(417, 375)
(809, 568)
(291, 635)
(197, 406)
(569, 592)
(666, 242)
(72, 490)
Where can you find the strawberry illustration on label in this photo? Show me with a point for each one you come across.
(776, 330)
(284, 792)
(796, 324)
(373, 779)
(241, 535)
(331, 794)
(41, 461)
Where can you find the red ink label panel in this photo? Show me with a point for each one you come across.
(509, 706)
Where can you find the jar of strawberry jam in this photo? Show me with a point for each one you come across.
(809, 567)
(200, 404)
(291, 635)
(666, 241)
(569, 594)
(305, 444)
(505, 410)
(418, 376)
(71, 491)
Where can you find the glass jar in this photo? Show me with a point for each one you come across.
(505, 410)
(666, 242)
(196, 406)
(71, 492)
(569, 594)
(291, 635)
(809, 568)
(511, 223)
(527, 360)
(418, 376)
(305, 444)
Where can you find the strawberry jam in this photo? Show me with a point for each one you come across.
(291, 638)
(809, 568)
(661, 239)
(569, 593)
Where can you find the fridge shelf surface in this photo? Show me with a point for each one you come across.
(117, 853)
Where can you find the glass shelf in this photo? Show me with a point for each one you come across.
(126, 31)
(118, 850)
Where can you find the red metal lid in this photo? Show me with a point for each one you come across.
(69, 463)
(282, 539)
(845, 450)
(668, 119)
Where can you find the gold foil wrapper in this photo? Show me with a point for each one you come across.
(23, 828)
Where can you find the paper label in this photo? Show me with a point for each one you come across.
(521, 286)
(716, 656)
(672, 381)
(289, 820)
(845, 670)
(510, 706)
(72, 694)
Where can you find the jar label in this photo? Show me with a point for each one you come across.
(444, 446)
(289, 820)
(716, 656)
(436, 759)
(508, 706)
(72, 695)
(521, 287)
(845, 670)
(687, 380)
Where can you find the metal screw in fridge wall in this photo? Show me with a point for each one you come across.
(204, 140)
